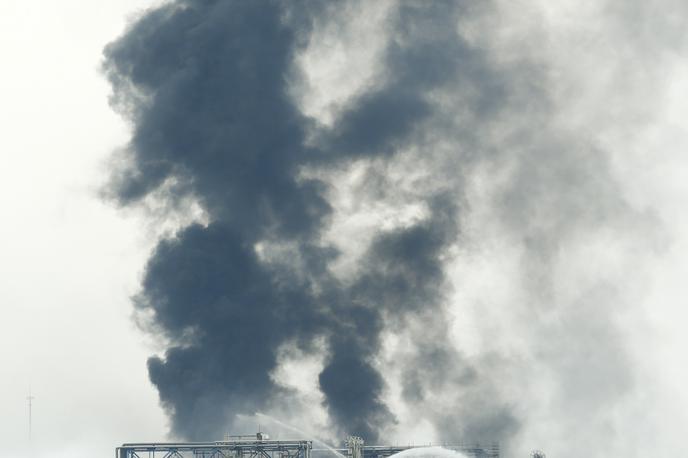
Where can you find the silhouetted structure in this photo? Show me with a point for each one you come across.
(259, 446)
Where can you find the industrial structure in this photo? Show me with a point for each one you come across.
(259, 446)
(237, 447)
(355, 448)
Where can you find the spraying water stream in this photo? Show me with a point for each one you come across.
(428, 452)
(303, 433)
(415, 452)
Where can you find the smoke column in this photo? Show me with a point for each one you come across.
(205, 83)
(451, 139)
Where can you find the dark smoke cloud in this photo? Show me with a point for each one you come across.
(206, 85)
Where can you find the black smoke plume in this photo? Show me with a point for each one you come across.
(206, 86)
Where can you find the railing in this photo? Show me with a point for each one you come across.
(220, 449)
(252, 448)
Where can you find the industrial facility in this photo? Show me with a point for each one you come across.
(260, 446)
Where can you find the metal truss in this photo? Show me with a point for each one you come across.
(222, 449)
(280, 449)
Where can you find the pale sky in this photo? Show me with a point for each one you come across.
(69, 262)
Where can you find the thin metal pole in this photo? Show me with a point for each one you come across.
(30, 399)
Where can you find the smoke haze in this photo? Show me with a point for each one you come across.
(413, 219)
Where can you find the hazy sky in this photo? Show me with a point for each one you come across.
(69, 262)
(596, 286)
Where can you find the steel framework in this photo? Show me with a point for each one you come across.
(220, 449)
(252, 448)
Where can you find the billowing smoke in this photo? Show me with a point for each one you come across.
(206, 86)
(449, 133)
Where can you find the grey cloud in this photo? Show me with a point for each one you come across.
(205, 84)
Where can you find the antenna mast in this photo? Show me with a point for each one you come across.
(30, 399)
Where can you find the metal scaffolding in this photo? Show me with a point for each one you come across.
(259, 447)
(221, 449)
